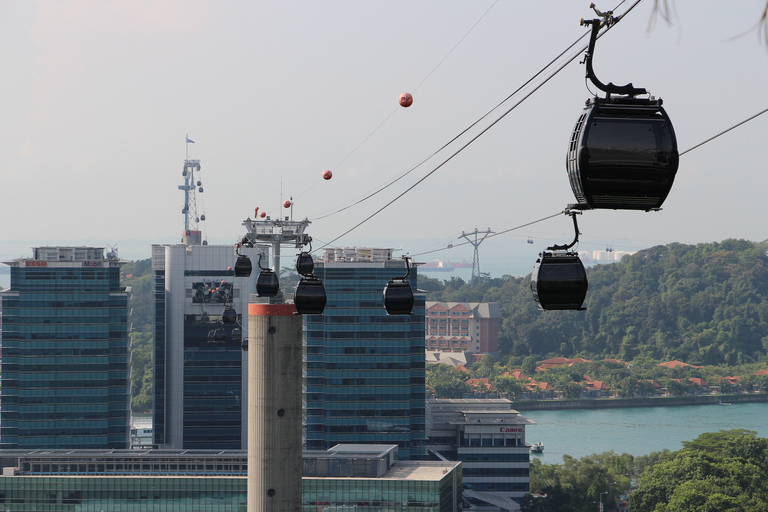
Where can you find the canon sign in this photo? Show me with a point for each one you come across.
(511, 429)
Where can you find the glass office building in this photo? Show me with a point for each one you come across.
(199, 387)
(362, 478)
(65, 351)
(364, 368)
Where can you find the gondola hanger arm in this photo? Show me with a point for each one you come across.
(606, 19)
(573, 214)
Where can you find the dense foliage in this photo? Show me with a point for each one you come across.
(724, 471)
(702, 304)
(138, 275)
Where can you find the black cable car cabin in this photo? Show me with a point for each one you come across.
(243, 266)
(310, 297)
(623, 154)
(398, 297)
(559, 281)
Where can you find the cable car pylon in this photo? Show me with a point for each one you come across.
(476, 243)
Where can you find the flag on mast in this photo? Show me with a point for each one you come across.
(190, 141)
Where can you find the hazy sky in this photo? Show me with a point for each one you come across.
(97, 97)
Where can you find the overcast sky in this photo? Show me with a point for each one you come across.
(96, 98)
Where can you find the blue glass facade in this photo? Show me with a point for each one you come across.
(65, 356)
(198, 381)
(364, 369)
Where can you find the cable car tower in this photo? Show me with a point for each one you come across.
(476, 243)
(192, 186)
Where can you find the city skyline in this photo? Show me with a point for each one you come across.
(274, 94)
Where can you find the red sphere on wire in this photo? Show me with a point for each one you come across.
(286, 204)
(327, 174)
(406, 99)
(229, 269)
(263, 214)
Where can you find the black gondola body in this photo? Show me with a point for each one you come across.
(267, 284)
(398, 297)
(243, 266)
(623, 154)
(305, 265)
(244, 345)
(559, 281)
(310, 297)
(218, 335)
(237, 335)
(229, 315)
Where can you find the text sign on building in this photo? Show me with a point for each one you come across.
(36, 263)
(92, 263)
(511, 429)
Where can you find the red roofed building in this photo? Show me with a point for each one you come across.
(559, 361)
(481, 383)
(675, 364)
(761, 372)
(596, 389)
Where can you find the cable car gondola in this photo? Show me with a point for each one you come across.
(305, 265)
(267, 284)
(218, 335)
(310, 297)
(229, 315)
(237, 335)
(243, 266)
(558, 280)
(398, 294)
(623, 151)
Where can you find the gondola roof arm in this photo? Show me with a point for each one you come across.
(606, 19)
(573, 214)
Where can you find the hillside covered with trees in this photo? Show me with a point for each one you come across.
(704, 304)
(717, 471)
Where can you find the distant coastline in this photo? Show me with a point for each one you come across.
(657, 401)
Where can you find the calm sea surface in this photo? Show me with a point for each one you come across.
(635, 430)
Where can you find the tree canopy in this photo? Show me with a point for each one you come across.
(702, 304)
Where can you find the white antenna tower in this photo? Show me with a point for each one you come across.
(192, 186)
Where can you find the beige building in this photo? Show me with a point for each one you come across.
(462, 326)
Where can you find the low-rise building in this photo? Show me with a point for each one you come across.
(345, 477)
(488, 437)
(462, 326)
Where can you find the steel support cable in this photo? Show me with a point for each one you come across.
(395, 110)
(551, 216)
(516, 91)
(462, 148)
(482, 132)
(725, 131)
(493, 235)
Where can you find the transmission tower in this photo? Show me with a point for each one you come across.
(476, 243)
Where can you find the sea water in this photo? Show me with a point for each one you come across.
(635, 430)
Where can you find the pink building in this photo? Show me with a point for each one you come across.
(462, 326)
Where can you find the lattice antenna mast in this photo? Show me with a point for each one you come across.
(476, 243)
(191, 187)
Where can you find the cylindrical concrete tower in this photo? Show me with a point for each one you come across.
(274, 408)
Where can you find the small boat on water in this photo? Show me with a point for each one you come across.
(538, 447)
